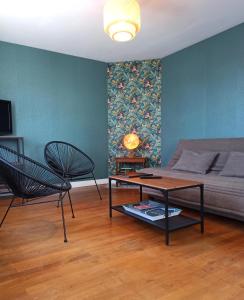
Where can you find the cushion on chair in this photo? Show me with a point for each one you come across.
(234, 166)
(195, 162)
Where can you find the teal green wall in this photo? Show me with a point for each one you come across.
(56, 97)
(203, 90)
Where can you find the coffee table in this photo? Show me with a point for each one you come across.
(164, 185)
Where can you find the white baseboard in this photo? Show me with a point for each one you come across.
(76, 184)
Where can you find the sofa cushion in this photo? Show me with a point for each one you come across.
(234, 166)
(222, 195)
(223, 146)
(216, 167)
(195, 162)
(219, 162)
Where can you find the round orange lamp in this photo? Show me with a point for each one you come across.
(131, 142)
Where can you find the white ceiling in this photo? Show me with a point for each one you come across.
(76, 26)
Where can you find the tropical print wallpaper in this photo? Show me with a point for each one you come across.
(134, 106)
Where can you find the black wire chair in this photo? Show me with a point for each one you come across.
(30, 180)
(69, 162)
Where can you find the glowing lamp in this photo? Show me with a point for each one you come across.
(131, 142)
(122, 19)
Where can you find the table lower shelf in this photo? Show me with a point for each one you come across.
(175, 223)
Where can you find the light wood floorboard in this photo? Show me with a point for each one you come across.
(120, 258)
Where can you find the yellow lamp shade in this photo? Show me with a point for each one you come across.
(131, 141)
(122, 19)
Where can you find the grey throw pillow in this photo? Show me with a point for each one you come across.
(195, 162)
(234, 166)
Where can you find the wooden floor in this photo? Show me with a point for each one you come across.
(118, 259)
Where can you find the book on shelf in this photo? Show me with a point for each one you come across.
(151, 210)
(134, 174)
(125, 170)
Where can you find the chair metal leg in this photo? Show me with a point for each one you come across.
(62, 209)
(7, 211)
(60, 195)
(97, 186)
(71, 206)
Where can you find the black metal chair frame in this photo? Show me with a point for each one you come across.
(62, 186)
(62, 171)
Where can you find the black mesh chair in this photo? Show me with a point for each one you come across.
(69, 162)
(30, 180)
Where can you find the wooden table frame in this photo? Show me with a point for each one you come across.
(18, 139)
(20, 149)
(167, 224)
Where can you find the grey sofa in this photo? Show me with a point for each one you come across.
(223, 195)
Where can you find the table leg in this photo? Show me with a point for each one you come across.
(23, 147)
(166, 196)
(202, 207)
(18, 145)
(117, 172)
(110, 198)
(140, 193)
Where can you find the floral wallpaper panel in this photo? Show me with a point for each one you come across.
(134, 105)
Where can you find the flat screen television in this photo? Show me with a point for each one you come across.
(5, 117)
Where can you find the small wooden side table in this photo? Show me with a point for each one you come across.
(132, 161)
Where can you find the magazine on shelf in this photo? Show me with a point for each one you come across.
(151, 210)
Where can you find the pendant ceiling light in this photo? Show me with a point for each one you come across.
(122, 19)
